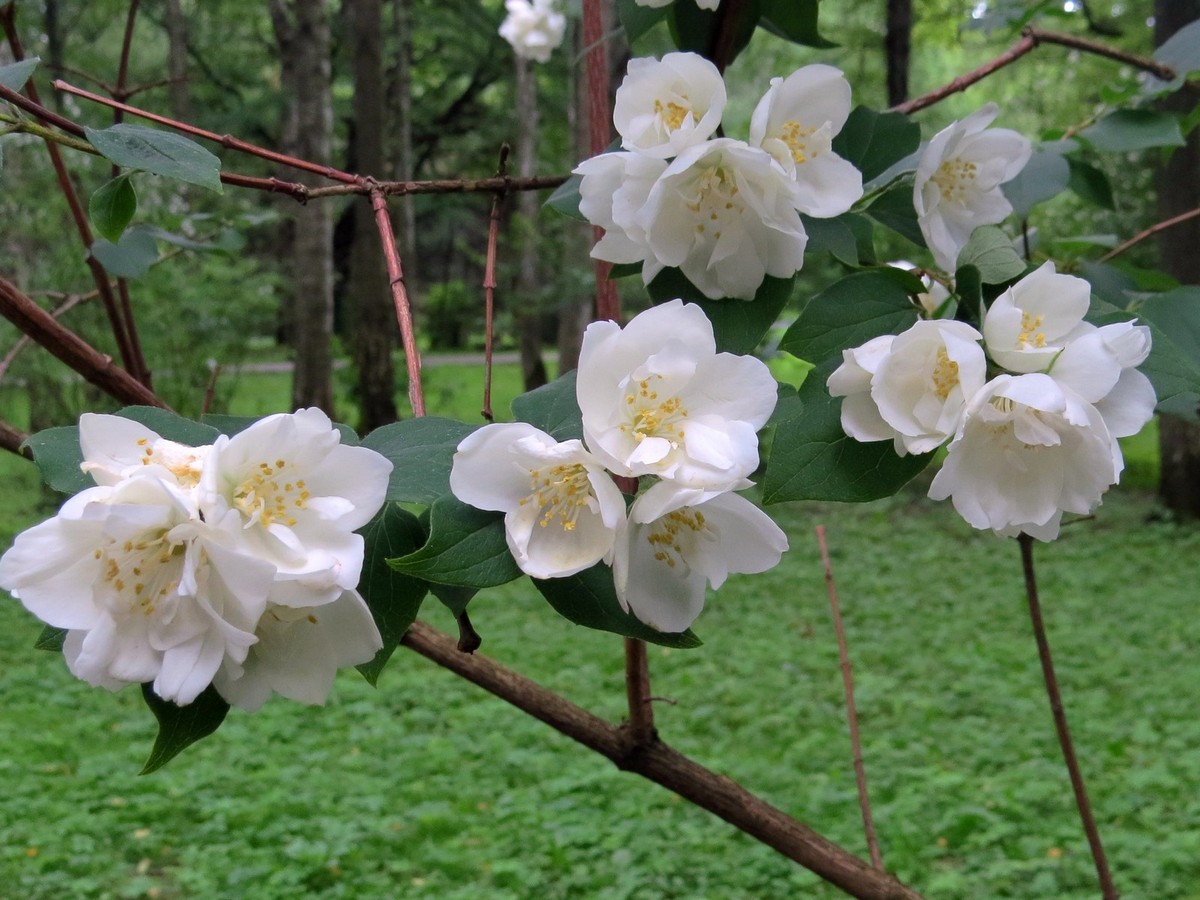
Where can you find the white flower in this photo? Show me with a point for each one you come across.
(535, 29)
(725, 214)
(677, 539)
(664, 106)
(612, 191)
(561, 509)
(657, 399)
(922, 385)
(852, 379)
(147, 590)
(1028, 451)
(1027, 326)
(957, 184)
(795, 122)
(299, 651)
(115, 448)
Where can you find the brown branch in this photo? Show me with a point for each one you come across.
(860, 773)
(608, 303)
(446, 186)
(12, 439)
(70, 348)
(637, 692)
(489, 288)
(1030, 38)
(1150, 232)
(412, 356)
(119, 91)
(1108, 889)
(665, 766)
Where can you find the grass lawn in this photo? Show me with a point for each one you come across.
(428, 787)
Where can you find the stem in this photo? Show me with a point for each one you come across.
(860, 773)
(1150, 232)
(489, 289)
(119, 90)
(637, 690)
(1108, 889)
(608, 303)
(665, 766)
(412, 356)
(12, 439)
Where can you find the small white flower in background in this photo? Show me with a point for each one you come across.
(535, 29)
(795, 122)
(852, 379)
(561, 509)
(1028, 451)
(678, 539)
(1027, 326)
(612, 191)
(657, 399)
(665, 106)
(724, 213)
(957, 185)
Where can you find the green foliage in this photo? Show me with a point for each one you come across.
(991, 253)
(695, 30)
(14, 75)
(181, 726)
(1045, 176)
(113, 207)
(466, 548)
(552, 408)
(131, 257)
(876, 141)
(1127, 130)
(163, 153)
(421, 452)
(795, 20)
(738, 325)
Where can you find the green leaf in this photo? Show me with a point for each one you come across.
(553, 408)
(466, 547)
(51, 638)
(181, 726)
(58, 458)
(112, 207)
(894, 208)
(131, 257)
(623, 270)
(1134, 129)
(422, 452)
(1046, 175)
(1173, 366)
(1090, 184)
(694, 29)
(848, 238)
(565, 198)
(637, 20)
(850, 312)
(876, 141)
(453, 597)
(795, 20)
(1181, 51)
(590, 599)
(990, 251)
(738, 325)
(812, 458)
(394, 599)
(159, 153)
(1108, 282)
(14, 75)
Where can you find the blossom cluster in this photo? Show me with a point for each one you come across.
(725, 212)
(657, 400)
(1033, 434)
(233, 564)
(534, 28)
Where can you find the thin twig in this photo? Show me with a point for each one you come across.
(119, 90)
(1108, 889)
(412, 356)
(860, 772)
(13, 439)
(489, 288)
(1150, 232)
(211, 390)
(665, 766)
(637, 692)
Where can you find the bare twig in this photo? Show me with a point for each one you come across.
(489, 288)
(860, 772)
(119, 91)
(12, 439)
(1150, 232)
(412, 356)
(211, 390)
(1108, 889)
(637, 692)
(665, 766)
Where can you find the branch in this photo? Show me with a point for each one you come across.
(1108, 889)
(1150, 232)
(12, 439)
(489, 288)
(665, 766)
(608, 303)
(412, 356)
(1030, 38)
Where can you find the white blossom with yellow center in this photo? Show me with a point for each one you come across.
(957, 184)
(115, 448)
(665, 106)
(1027, 326)
(796, 121)
(677, 540)
(561, 508)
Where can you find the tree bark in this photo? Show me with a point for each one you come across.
(896, 44)
(527, 307)
(367, 300)
(302, 32)
(1179, 191)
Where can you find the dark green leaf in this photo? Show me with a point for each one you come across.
(1046, 175)
(1108, 282)
(51, 638)
(14, 75)
(694, 29)
(991, 251)
(394, 599)
(453, 597)
(159, 153)
(813, 459)
(876, 141)
(58, 457)
(738, 325)
(552, 408)
(624, 270)
(1181, 51)
(1134, 129)
(466, 547)
(131, 257)
(565, 198)
(1173, 366)
(795, 20)
(637, 20)
(850, 312)
(1091, 184)
(422, 452)
(181, 726)
(969, 288)
(847, 238)
(894, 208)
(112, 207)
(589, 599)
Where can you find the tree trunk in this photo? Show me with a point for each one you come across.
(1179, 191)
(405, 161)
(896, 45)
(368, 303)
(177, 62)
(302, 31)
(527, 293)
